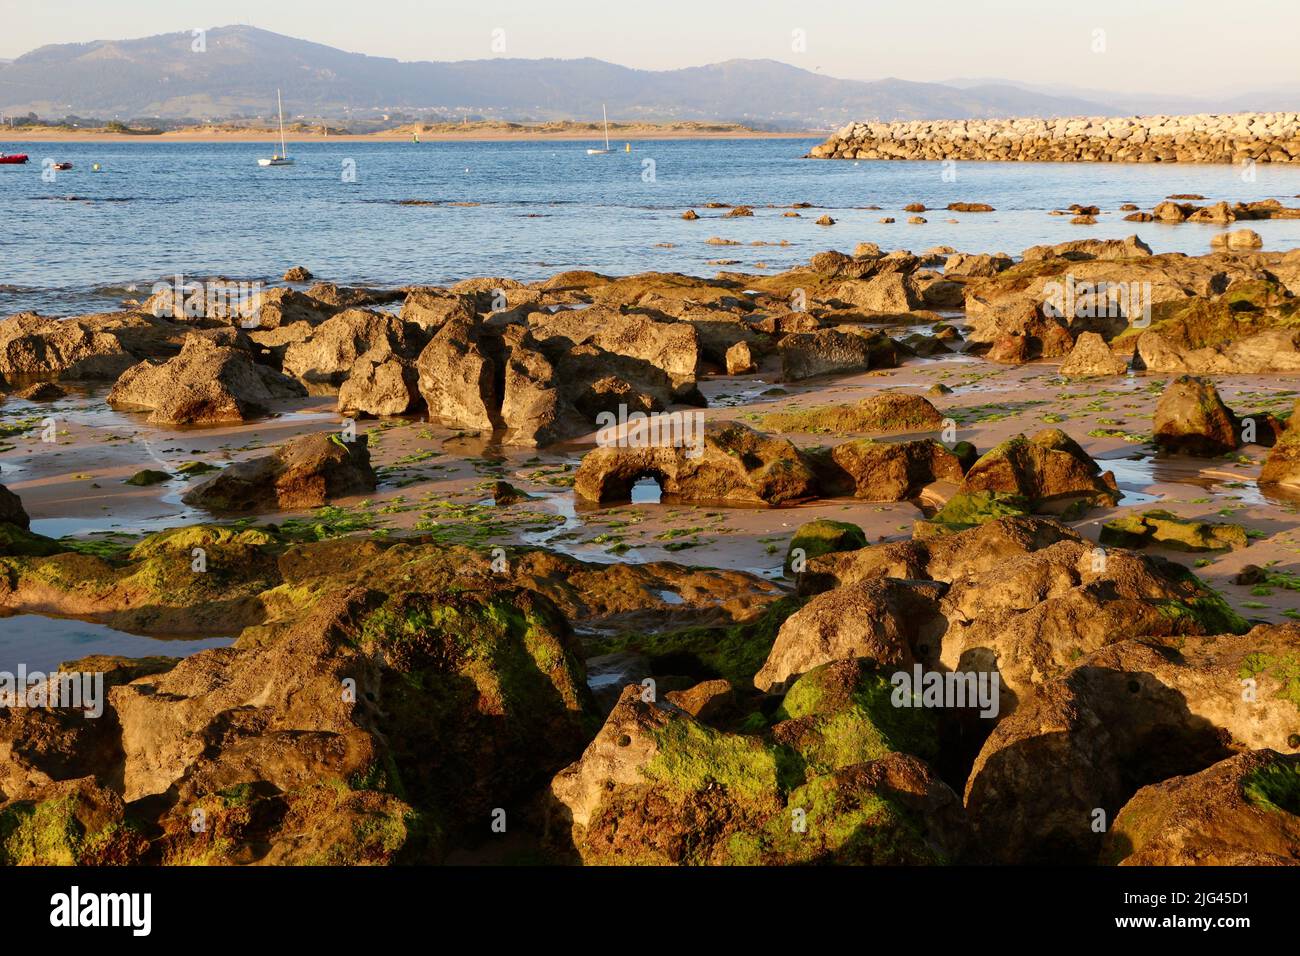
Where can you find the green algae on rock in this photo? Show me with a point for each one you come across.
(1168, 529)
(970, 510)
(822, 536)
(147, 477)
(881, 412)
(657, 787)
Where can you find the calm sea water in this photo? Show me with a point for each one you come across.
(42, 643)
(156, 209)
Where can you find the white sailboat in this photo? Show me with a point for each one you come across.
(281, 158)
(597, 152)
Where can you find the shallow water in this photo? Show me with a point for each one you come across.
(157, 209)
(42, 643)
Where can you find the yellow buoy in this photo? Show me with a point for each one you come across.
(627, 147)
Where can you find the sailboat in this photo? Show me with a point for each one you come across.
(281, 158)
(597, 152)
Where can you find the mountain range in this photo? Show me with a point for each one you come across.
(241, 67)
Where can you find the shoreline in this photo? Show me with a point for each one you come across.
(271, 136)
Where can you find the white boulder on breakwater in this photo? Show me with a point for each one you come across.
(1202, 138)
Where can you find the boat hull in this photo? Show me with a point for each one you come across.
(14, 160)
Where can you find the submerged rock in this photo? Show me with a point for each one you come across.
(1237, 239)
(1079, 249)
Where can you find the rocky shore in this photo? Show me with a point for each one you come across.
(1203, 138)
(930, 558)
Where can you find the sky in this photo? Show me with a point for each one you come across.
(1201, 47)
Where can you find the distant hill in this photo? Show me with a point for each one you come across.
(161, 76)
(1136, 103)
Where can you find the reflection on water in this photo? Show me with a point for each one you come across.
(42, 643)
(1138, 474)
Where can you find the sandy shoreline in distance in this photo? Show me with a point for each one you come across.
(617, 137)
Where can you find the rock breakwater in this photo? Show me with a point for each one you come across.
(1202, 138)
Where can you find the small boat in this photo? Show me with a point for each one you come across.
(13, 160)
(62, 166)
(597, 152)
(282, 157)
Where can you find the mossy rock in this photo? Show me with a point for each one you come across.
(970, 509)
(146, 477)
(157, 587)
(692, 757)
(212, 539)
(79, 824)
(19, 543)
(842, 713)
(1166, 528)
(1285, 668)
(967, 454)
(1274, 787)
(1254, 294)
(1126, 531)
(824, 536)
(323, 824)
(483, 692)
(1200, 323)
(734, 652)
(1208, 610)
(843, 818)
(882, 412)
(658, 787)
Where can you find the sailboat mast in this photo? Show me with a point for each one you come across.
(606, 117)
(279, 105)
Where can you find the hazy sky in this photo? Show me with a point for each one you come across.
(1166, 46)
